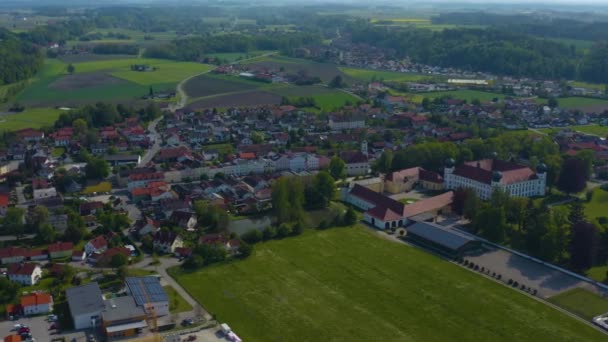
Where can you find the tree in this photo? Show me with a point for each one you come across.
(80, 127)
(552, 102)
(573, 177)
(122, 272)
(245, 250)
(350, 217)
(46, 234)
(118, 260)
(37, 217)
(269, 233)
(337, 168)
(491, 223)
(583, 245)
(253, 236)
(96, 168)
(12, 224)
(587, 157)
(8, 290)
(71, 69)
(337, 82)
(383, 164)
(577, 212)
(325, 185)
(284, 230)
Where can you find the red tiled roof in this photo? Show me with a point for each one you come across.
(212, 239)
(22, 269)
(384, 214)
(99, 242)
(247, 155)
(60, 247)
(399, 176)
(377, 199)
(429, 204)
(12, 338)
(36, 298)
(164, 237)
(430, 176)
(4, 199)
(9, 252)
(482, 171)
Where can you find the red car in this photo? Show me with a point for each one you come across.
(53, 326)
(24, 330)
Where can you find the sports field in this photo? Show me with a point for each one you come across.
(582, 302)
(348, 284)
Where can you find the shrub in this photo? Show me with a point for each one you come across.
(523, 287)
(298, 228)
(269, 233)
(253, 236)
(284, 230)
(534, 292)
(476, 268)
(466, 262)
(515, 284)
(510, 282)
(499, 277)
(323, 225)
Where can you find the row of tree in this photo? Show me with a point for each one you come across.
(491, 50)
(558, 235)
(20, 59)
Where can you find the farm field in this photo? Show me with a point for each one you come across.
(31, 117)
(582, 103)
(103, 80)
(327, 99)
(348, 284)
(209, 85)
(326, 72)
(582, 302)
(588, 85)
(367, 75)
(468, 95)
(239, 99)
(234, 56)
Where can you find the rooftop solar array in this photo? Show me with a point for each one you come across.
(146, 290)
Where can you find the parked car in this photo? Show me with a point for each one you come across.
(187, 321)
(24, 330)
(191, 338)
(52, 318)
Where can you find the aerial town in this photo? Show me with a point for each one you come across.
(240, 176)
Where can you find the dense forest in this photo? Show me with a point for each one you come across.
(489, 50)
(193, 49)
(529, 24)
(19, 60)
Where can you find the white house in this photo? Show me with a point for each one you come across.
(340, 122)
(483, 176)
(167, 242)
(86, 305)
(24, 274)
(37, 303)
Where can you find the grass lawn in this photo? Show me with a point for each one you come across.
(166, 73)
(30, 117)
(582, 302)
(598, 273)
(348, 284)
(367, 75)
(101, 187)
(597, 86)
(601, 131)
(234, 56)
(177, 303)
(576, 102)
(598, 204)
(57, 151)
(330, 101)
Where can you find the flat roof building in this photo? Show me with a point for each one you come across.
(86, 305)
(443, 240)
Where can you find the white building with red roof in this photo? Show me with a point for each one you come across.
(97, 245)
(485, 175)
(24, 274)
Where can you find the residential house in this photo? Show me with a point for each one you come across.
(37, 303)
(104, 259)
(148, 294)
(11, 255)
(44, 193)
(60, 250)
(184, 219)
(96, 245)
(79, 255)
(90, 208)
(167, 242)
(26, 274)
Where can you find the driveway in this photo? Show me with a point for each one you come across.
(155, 137)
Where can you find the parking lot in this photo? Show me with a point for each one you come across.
(39, 327)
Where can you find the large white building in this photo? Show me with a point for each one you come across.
(485, 175)
(86, 305)
(340, 122)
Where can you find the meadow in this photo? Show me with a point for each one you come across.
(347, 284)
(31, 117)
(582, 103)
(468, 95)
(601, 131)
(236, 56)
(581, 302)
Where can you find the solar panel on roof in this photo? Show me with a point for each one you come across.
(154, 292)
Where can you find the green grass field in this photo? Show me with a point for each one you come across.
(234, 56)
(601, 131)
(598, 205)
(577, 102)
(596, 86)
(30, 118)
(166, 73)
(581, 302)
(468, 95)
(598, 273)
(177, 303)
(367, 75)
(347, 284)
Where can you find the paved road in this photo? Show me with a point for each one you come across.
(154, 136)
